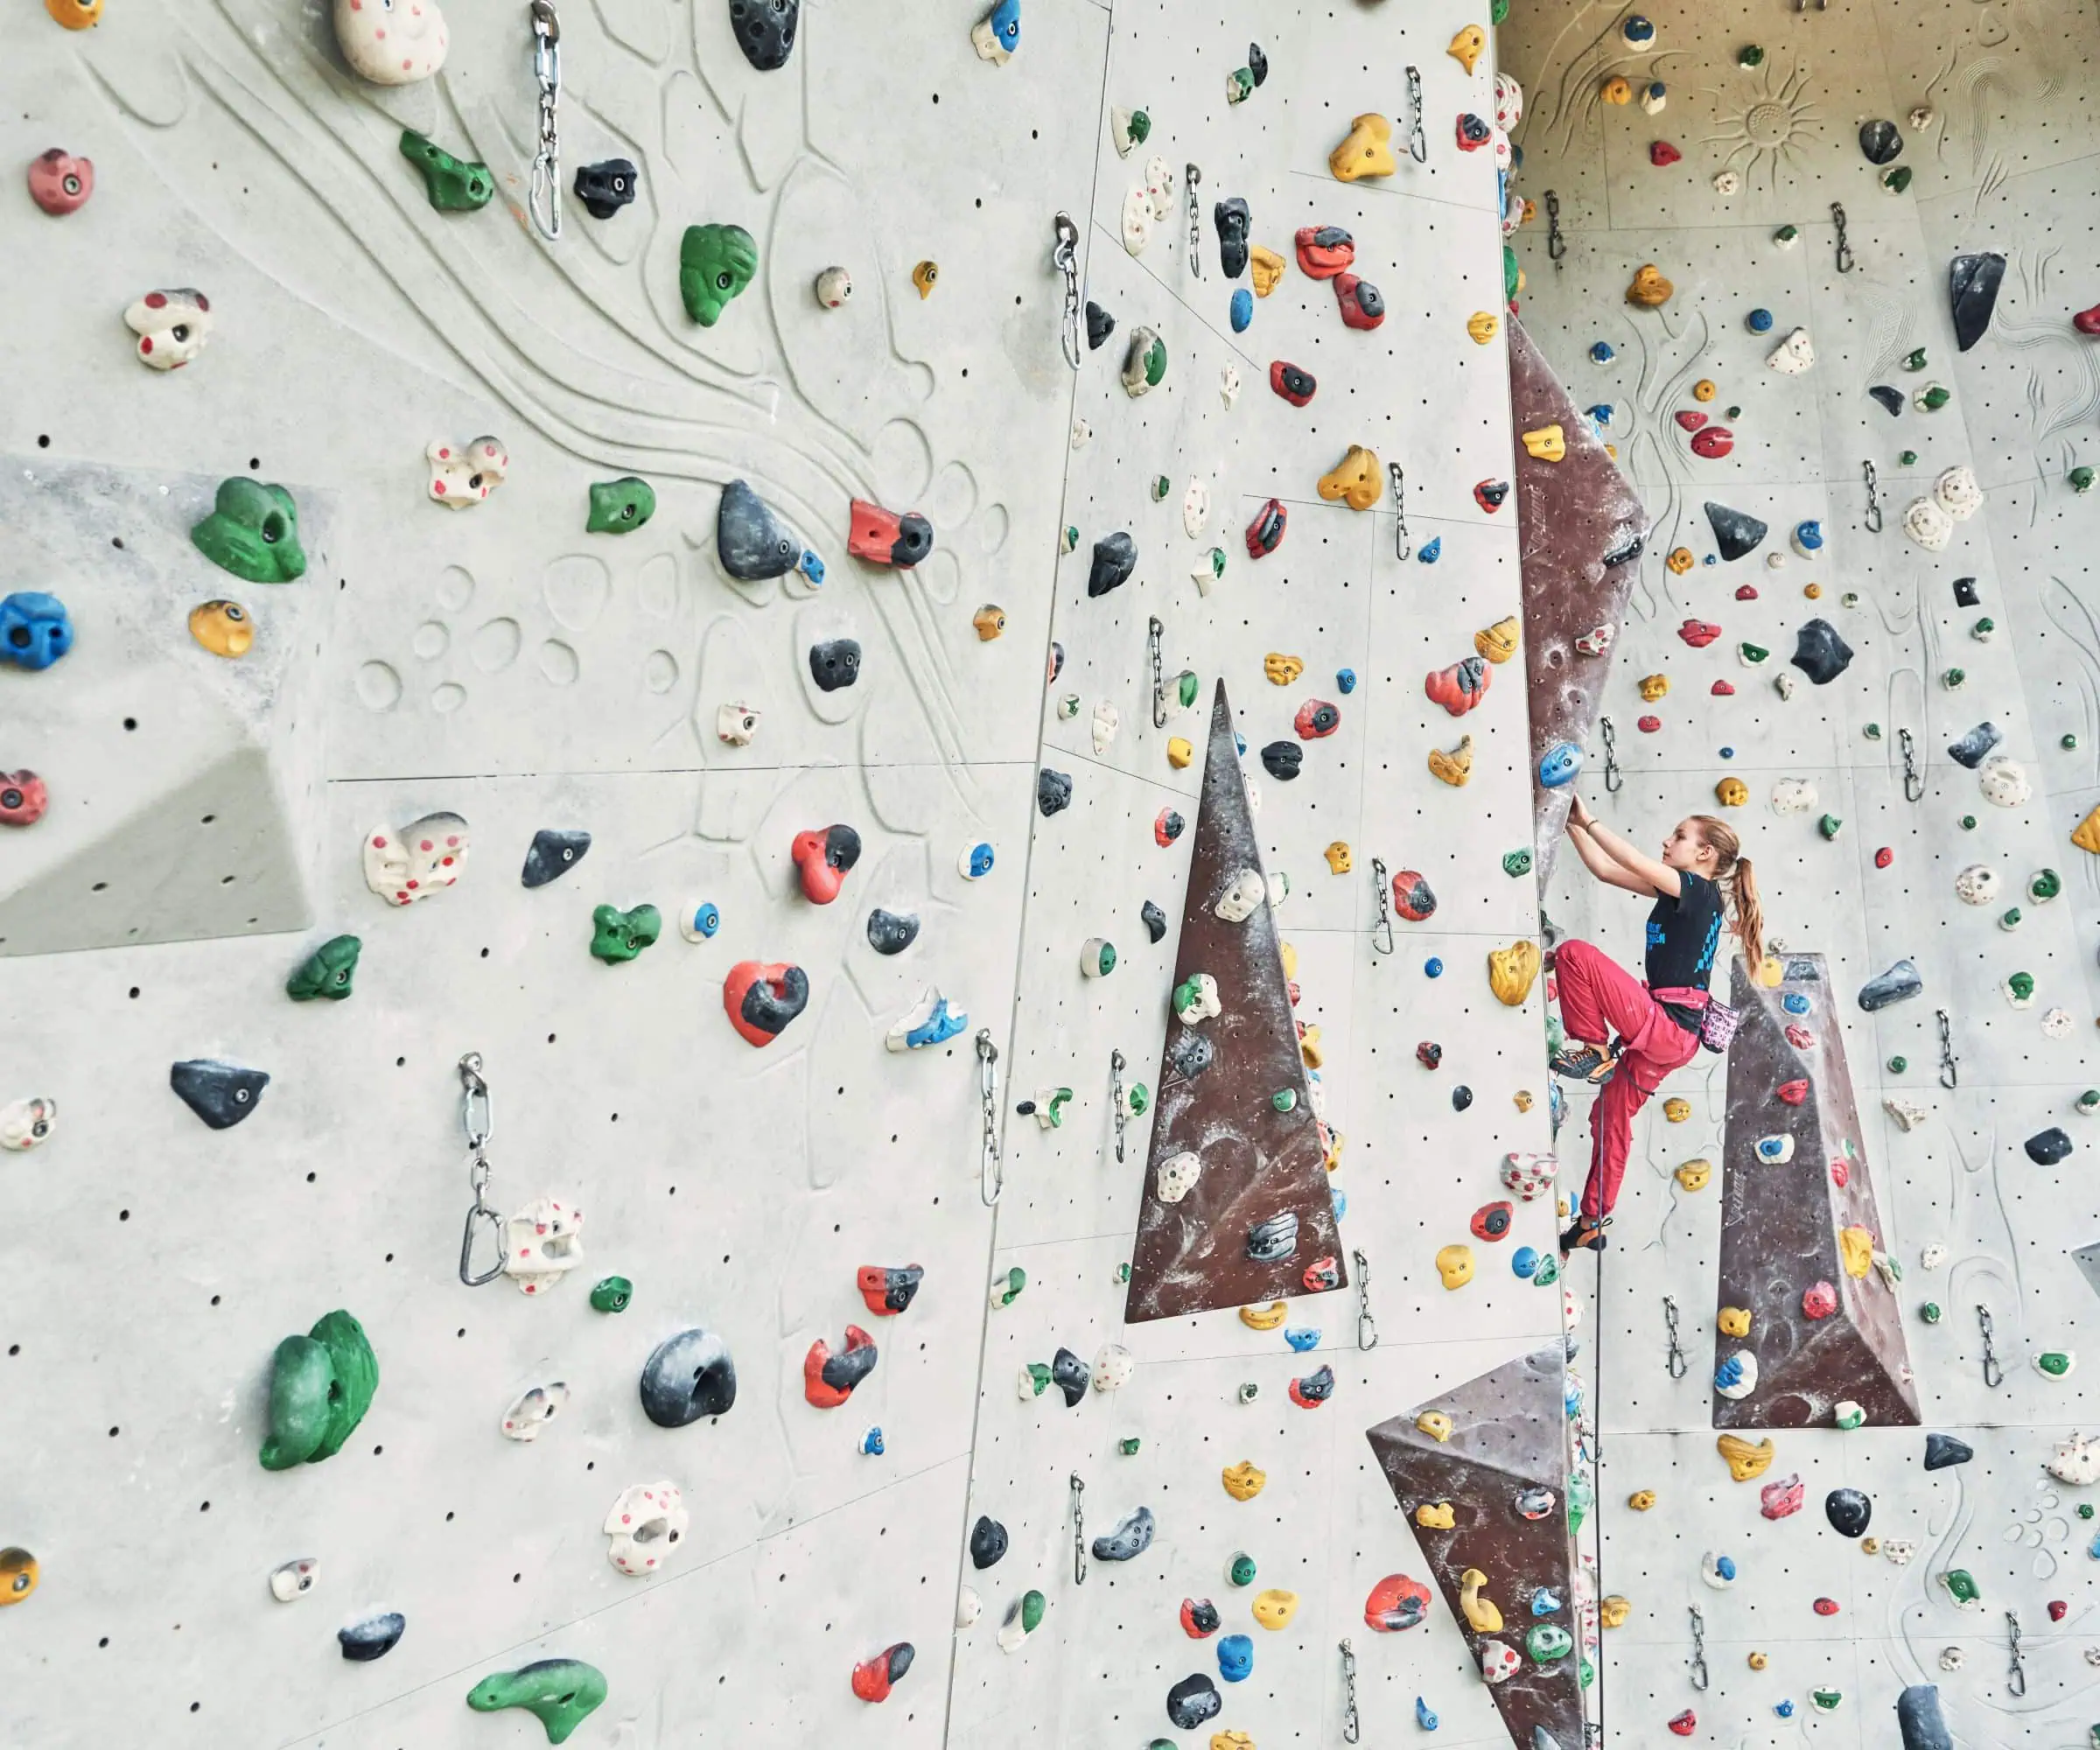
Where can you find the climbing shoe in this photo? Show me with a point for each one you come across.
(1585, 1235)
(1580, 1062)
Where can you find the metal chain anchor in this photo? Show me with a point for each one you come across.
(1382, 930)
(545, 202)
(1153, 640)
(1417, 145)
(1615, 779)
(478, 1130)
(1115, 1066)
(1556, 245)
(1697, 1662)
(1192, 175)
(1367, 1327)
(991, 1167)
(1913, 784)
(1873, 502)
(1065, 258)
(1352, 1727)
(1402, 545)
(2016, 1679)
(1675, 1361)
(1079, 1530)
(1950, 1072)
(1994, 1375)
(1845, 249)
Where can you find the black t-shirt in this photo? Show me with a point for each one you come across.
(1683, 935)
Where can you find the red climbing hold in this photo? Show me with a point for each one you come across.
(1647, 725)
(1794, 1092)
(1491, 495)
(1662, 154)
(1265, 533)
(1714, 442)
(1746, 592)
(1491, 1221)
(1316, 720)
(2058, 1610)
(1724, 690)
(1799, 1037)
(1296, 386)
(824, 854)
(1884, 857)
(888, 1291)
(828, 1380)
(1396, 1603)
(1782, 1499)
(1684, 1724)
(1412, 897)
(1314, 1389)
(1689, 417)
(1460, 687)
(2088, 321)
(882, 537)
(1698, 632)
(1324, 250)
(1841, 1175)
(1429, 1054)
(1363, 305)
(761, 999)
(1199, 1618)
(872, 1677)
(1818, 1300)
(1826, 1607)
(1166, 826)
(1321, 1275)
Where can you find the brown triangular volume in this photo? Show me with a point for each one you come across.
(1780, 1221)
(1580, 528)
(1509, 1434)
(1258, 1163)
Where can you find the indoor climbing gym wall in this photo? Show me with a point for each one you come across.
(1820, 275)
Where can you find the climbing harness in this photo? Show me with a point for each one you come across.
(480, 1127)
(1192, 176)
(1950, 1075)
(991, 1169)
(1845, 249)
(546, 196)
(2016, 1679)
(1994, 1375)
(1153, 640)
(1079, 1531)
(1402, 546)
(1556, 245)
(1065, 258)
(1417, 145)
(1697, 1661)
(1614, 780)
(1874, 503)
(1675, 1362)
(1914, 785)
(1352, 1728)
(1382, 929)
(1115, 1066)
(1367, 1327)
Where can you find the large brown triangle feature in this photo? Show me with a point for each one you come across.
(1509, 1433)
(1258, 1162)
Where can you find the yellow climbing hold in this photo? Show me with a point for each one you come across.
(1757, 1661)
(1613, 1609)
(1340, 858)
(1481, 1616)
(1680, 561)
(1813, 591)
(1454, 1264)
(1732, 793)
(1454, 767)
(1705, 390)
(1746, 1462)
(1310, 1049)
(1522, 1097)
(1368, 152)
(1437, 1515)
(1356, 479)
(1265, 1318)
(1435, 1424)
(1617, 89)
(1268, 269)
(1231, 1740)
(1242, 1481)
(1289, 957)
(2086, 834)
(1498, 643)
(1677, 1109)
(1483, 325)
(1694, 1175)
(1733, 1320)
(1466, 47)
(1649, 290)
(1857, 1246)
(1654, 687)
(924, 276)
(1178, 753)
(1511, 969)
(1771, 972)
(1275, 1609)
(1640, 1499)
(1336, 1142)
(1548, 444)
(1282, 669)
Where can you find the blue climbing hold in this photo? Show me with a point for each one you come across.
(1340, 1200)
(1795, 1003)
(999, 35)
(1430, 551)
(1601, 353)
(976, 862)
(1558, 765)
(1525, 1262)
(1345, 681)
(1545, 1602)
(1728, 753)
(1759, 321)
(1243, 310)
(35, 630)
(812, 567)
(942, 1024)
(1425, 1715)
(1637, 32)
(1729, 1374)
(871, 1442)
(1808, 537)
(1302, 1337)
(1710, 559)
(1235, 1657)
(1601, 411)
(1239, 743)
(1433, 967)
(1785, 1710)
(702, 922)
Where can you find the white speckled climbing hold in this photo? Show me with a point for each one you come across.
(1195, 509)
(1958, 492)
(1977, 884)
(1137, 221)
(2003, 781)
(1908, 1113)
(533, 1410)
(1107, 721)
(1793, 355)
(1927, 524)
(1793, 796)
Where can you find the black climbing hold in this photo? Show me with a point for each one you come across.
(2046, 1148)
(1169, 826)
(1190, 1053)
(1972, 283)
(1820, 654)
(890, 933)
(765, 31)
(1115, 558)
(1919, 1720)
(1203, 1615)
(1419, 902)
(1282, 758)
(1461, 1097)
(1053, 792)
(987, 1542)
(1491, 494)
(1971, 748)
(1070, 1376)
(1057, 659)
(1258, 63)
(899, 1286)
(1898, 984)
(1296, 386)
(1889, 398)
(1964, 593)
(1274, 1238)
(754, 543)
(221, 1093)
(1100, 325)
(1132, 1537)
(1234, 221)
(915, 540)
(1155, 921)
(554, 851)
(1735, 532)
(1193, 1700)
(769, 1011)
(689, 1376)
(1314, 1388)
(1319, 720)
(604, 188)
(835, 664)
(372, 1638)
(1371, 303)
(1880, 142)
(844, 1369)
(1942, 1450)
(1848, 1510)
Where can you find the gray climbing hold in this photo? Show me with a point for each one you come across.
(1820, 654)
(1070, 1375)
(1942, 1450)
(1919, 1720)
(1735, 532)
(1272, 1239)
(754, 543)
(987, 1542)
(1972, 283)
(765, 31)
(2046, 1148)
(1190, 1053)
(1889, 398)
(835, 664)
(1281, 759)
(1880, 142)
(1971, 748)
(1155, 921)
(890, 933)
(1898, 984)
(1115, 558)
(1132, 1537)
(554, 851)
(372, 1638)
(1234, 222)
(1191, 1701)
(1053, 792)
(1100, 325)
(221, 1093)
(1849, 1512)
(690, 1376)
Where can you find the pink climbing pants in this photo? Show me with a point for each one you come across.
(1599, 998)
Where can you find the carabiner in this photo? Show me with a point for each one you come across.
(545, 200)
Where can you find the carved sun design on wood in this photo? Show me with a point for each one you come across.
(1772, 123)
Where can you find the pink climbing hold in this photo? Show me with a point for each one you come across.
(1662, 154)
(1684, 1724)
(1794, 1092)
(1712, 443)
(1884, 857)
(1746, 592)
(1648, 726)
(2088, 321)
(1689, 417)
(1698, 632)
(1724, 690)
(1818, 1300)
(1841, 1174)
(1782, 1499)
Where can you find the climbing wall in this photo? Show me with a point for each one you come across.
(1865, 804)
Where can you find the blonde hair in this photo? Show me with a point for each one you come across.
(1733, 872)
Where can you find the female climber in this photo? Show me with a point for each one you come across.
(1625, 1035)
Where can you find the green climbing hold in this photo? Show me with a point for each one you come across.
(1516, 862)
(1161, 487)
(1930, 1313)
(1240, 1573)
(1916, 361)
(320, 1386)
(617, 935)
(253, 532)
(1140, 1098)
(2085, 1509)
(2010, 918)
(1749, 55)
(1985, 630)
(1873, 731)
(1185, 688)
(1968, 823)
(1961, 1586)
(1128, 1446)
(1498, 12)
(621, 507)
(326, 972)
(1547, 1641)
(1036, 1376)
(1787, 235)
(1830, 826)
(1511, 273)
(1582, 1496)
(1754, 654)
(2067, 741)
(1588, 1671)
(1908, 458)
(1007, 1286)
(453, 185)
(1954, 679)
(1285, 1099)
(1898, 1065)
(715, 263)
(1548, 1272)
(1935, 398)
(1123, 1274)
(1896, 179)
(2057, 1363)
(1826, 1700)
(563, 1693)
(613, 1294)
(2080, 480)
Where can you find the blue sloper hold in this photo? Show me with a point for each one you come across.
(1302, 1339)
(1898, 984)
(1919, 1720)
(2046, 1148)
(221, 1094)
(1820, 654)
(1131, 1537)
(1235, 1658)
(1890, 398)
(1558, 765)
(1243, 310)
(1971, 748)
